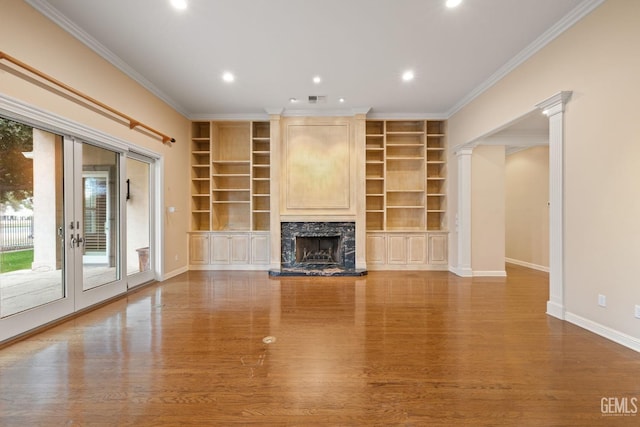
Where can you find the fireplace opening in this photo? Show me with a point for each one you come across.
(318, 250)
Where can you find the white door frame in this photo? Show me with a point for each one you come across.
(553, 108)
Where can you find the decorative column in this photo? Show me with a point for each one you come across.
(274, 188)
(360, 120)
(463, 216)
(554, 109)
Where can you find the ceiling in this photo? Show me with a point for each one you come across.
(274, 48)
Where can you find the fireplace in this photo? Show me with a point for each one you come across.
(318, 248)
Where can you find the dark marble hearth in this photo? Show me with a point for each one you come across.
(334, 271)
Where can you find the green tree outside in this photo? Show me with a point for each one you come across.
(16, 171)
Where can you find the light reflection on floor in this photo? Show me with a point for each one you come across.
(24, 289)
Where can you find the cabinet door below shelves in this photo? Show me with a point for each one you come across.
(376, 249)
(220, 249)
(199, 249)
(260, 250)
(416, 249)
(397, 249)
(438, 249)
(229, 249)
(239, 249)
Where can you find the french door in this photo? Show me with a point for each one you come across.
(93, 227)
(140, 219)
(61, 230)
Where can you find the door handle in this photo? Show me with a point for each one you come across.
(72, 240)
(79, 240)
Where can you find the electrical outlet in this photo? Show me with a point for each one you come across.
(602, 300)
(176, 257)
(637, 314)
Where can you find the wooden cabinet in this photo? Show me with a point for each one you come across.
(407, 251)
(376, 249)
(416, 249)
(230, 176)
(229, 251)
(199, 249)
(260, 249)
(438, 249)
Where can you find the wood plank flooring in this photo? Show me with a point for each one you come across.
(391, 348)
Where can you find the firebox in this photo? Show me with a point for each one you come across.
(318, 250)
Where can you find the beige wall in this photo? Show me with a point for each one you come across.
(487, 210)
(33, 39)
(527, 209)
(597, 59)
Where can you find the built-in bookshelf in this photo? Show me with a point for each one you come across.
(375, 174)
(260, 176)
(230, 176)
(200, 176)
(405, 175)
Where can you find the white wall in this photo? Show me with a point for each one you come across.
(488, 210)
(527, 209)
(596, 59)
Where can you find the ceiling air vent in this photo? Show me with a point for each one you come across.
(317, 99)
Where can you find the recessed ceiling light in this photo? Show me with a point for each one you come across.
(341, 100)
(228, 77)
(293, 100)
(453, 3)
(407, 75)
(317, 79)
(179, 4)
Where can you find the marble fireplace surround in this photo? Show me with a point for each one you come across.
(344, 263)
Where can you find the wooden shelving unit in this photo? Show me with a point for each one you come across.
(230, 176)
(405, 175)
(436, 175)
(200, 176)
(260, 176)
(375, 173)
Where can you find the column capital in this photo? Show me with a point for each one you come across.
(465, 150)
(555, 104)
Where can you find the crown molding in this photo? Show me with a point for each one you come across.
(407, 116)
(274, 111)
(230, 117)
(339, 112)
(59, 19)
(547, 37)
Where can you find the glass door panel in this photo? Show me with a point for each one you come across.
(100, 236)
(32, 254)
(139, 219)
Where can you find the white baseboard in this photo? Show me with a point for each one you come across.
(497, 273)
(555, 310)
(604, 331)
(462, 272)
(174, 273)
(405, 267)
(527, 264)
(230, 267)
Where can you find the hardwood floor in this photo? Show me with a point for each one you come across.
(392, 348)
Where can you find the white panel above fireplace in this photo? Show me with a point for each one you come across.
(318, 166)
